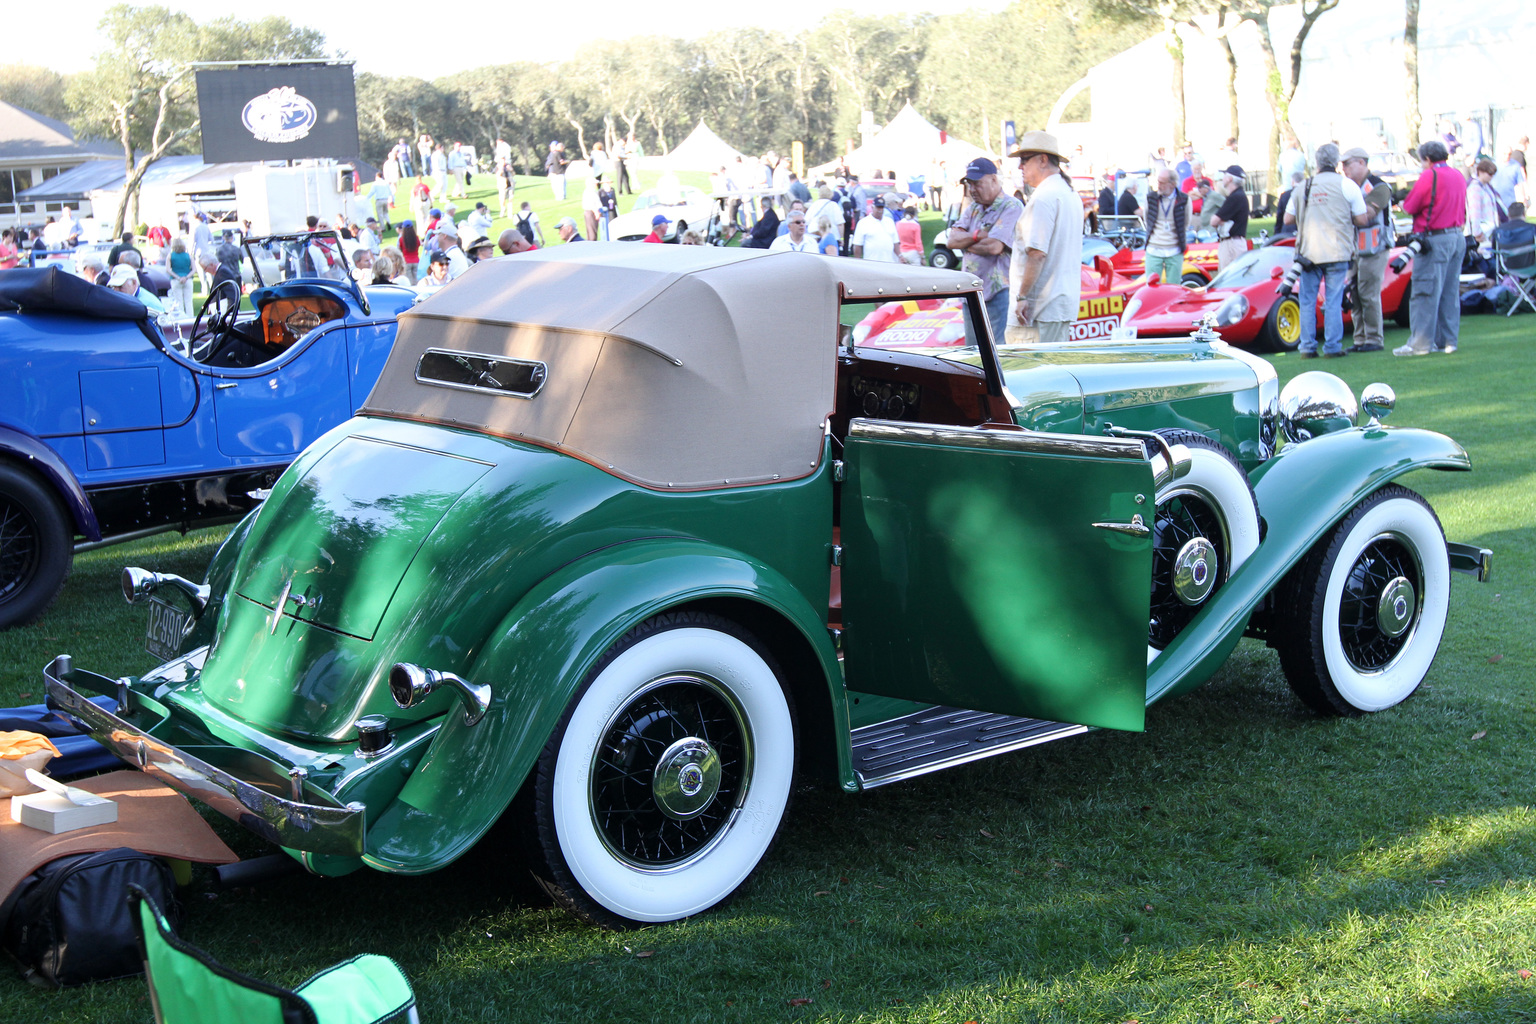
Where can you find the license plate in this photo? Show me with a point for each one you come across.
(165, 629)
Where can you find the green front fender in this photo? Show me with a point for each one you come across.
(1302, 493)
(535, 661)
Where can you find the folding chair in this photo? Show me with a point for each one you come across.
(187, 986)
(1514, 250)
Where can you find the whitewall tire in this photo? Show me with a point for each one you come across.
(668, 779)
(1361, 617)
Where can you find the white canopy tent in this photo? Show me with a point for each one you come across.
(908, 146)
(702, 150)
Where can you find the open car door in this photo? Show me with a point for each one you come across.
(998, 570)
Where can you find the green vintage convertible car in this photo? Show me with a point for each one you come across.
(627, 537)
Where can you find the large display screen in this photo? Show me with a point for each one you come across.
(277, 112)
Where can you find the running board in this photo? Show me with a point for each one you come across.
(937, 738)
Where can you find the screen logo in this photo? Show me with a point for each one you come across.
(279, 115)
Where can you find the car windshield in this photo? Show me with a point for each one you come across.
(312, 254)
(1254, 267)
(933, 326)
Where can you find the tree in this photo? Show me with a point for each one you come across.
(1411, 68)
(39, 90)
(141, 90)
(390, 109)
(1278, 93)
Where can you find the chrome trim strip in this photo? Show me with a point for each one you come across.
(316, 828)
(1025, 441)
(502, 392)
(966, 758)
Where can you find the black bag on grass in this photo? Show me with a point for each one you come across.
(68, 922)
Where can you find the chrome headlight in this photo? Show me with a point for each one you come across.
(1316, 403)
(1378, 400)
(1231, 310)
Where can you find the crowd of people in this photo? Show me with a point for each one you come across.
(1014, 225)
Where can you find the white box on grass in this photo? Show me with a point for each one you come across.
(54, 813)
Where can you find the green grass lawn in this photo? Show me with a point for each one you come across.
(1242, 860)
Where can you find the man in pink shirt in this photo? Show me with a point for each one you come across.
(1438, 203)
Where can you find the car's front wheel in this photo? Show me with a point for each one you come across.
(1359, 620)
(667, 780)
(1282, 327)
(1206, 524)
(36, 547)
(942, 258)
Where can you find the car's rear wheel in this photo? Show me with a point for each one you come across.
(1282, 327)
(943, 258)
(1359, 620)
(35, 547)
(1206, 524)
(666, 781)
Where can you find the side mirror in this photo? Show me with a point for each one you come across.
(1276, 273)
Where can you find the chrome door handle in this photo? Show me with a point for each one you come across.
(1137, 527)
(225, 387)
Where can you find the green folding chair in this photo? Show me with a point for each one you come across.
(187, 986)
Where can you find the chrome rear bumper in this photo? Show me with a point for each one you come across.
(1472, 560)
(246, 789)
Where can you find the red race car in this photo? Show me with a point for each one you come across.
(931, 323)
(1245, 298)
(1200, 261)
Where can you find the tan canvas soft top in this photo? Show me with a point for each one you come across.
(674, 366)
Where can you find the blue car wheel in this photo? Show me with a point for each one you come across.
(35, 548)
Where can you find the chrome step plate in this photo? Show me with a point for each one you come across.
(937, 738)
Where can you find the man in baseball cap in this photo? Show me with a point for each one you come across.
(1373, 248)
(125, 279)
(984, 237)
(658, 228)
(1231, 218)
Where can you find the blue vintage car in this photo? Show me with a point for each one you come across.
(114, 425)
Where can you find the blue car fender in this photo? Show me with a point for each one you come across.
(36, 456)
(537, 659)
(1302, 492)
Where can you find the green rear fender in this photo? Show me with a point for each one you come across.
(1302, 493)
(535, 661)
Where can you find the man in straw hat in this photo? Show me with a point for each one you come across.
(1045, 279)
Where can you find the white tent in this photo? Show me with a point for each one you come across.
(907, 147)
(702, 150)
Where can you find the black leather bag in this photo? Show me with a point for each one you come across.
(68, 923)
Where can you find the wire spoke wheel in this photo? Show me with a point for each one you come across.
(1379, 606)
(1189, 560)
(36, 546)
(18, 547)
(668, 778)
(1205, 525)
(1359, 619)
(668, 775)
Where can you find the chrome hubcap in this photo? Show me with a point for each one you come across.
(686, 778)
(1394, 610)
(1194, 571)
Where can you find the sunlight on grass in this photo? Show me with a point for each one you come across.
(1242, 860)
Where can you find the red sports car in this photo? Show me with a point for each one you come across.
(1245, 298)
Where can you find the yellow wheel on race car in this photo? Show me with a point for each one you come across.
(1282, 328)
